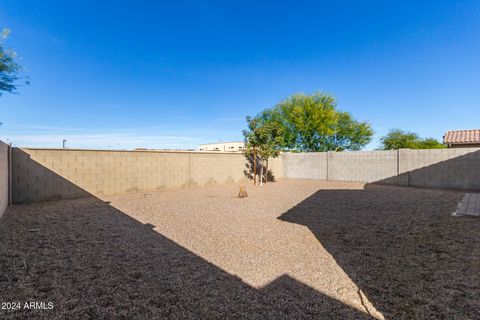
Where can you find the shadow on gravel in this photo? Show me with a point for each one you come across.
(95, 262)
(401, 246)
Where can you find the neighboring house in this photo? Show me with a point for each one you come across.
(462, 138)
(233, 146)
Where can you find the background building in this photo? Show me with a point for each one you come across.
(233, 146)
(462, 138)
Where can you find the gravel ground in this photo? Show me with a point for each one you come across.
(291, 250)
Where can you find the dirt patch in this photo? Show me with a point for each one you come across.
(291, 249)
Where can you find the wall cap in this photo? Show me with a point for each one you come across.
(133, 151)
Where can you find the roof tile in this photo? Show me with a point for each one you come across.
(462, 137)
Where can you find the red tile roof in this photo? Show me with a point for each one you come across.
(462, 137)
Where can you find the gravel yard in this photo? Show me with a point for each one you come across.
(293, 249)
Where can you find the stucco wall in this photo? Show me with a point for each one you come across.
(45, 174)
(3, 177)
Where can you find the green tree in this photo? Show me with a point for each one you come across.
(430, 143)
(262, 142)
(9, 68)
(313, 123)
(400, 139)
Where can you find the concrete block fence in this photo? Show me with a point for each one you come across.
(437, 168)
(4, 177)
(48, 174)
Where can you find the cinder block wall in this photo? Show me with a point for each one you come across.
(441, 168)
(365, 166)
(47, 174)
(3, 177)
(438, 168)
(305, 165)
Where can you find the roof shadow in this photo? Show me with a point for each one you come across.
(401, 246)
(458, 173)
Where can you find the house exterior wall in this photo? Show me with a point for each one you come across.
(235, 146)
(471, 145)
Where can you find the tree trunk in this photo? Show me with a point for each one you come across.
(266, 173)
(254, 166)
(261, 173)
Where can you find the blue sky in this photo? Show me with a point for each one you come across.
(158, 74)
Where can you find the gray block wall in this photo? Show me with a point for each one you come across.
(305, 165)
(438, 168)
(441, 168)
(365, 166)
(3, 177)
(49, 174)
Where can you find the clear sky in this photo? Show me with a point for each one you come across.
(173, 74)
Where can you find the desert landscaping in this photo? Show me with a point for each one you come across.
(292, 249)
(203, 160)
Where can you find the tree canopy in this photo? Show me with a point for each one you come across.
(265, 137)
(262, 142)
(313, 123)
(400, 139)
(9, 68)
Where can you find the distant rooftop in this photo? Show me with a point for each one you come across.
(220, 142)
(462, 137)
